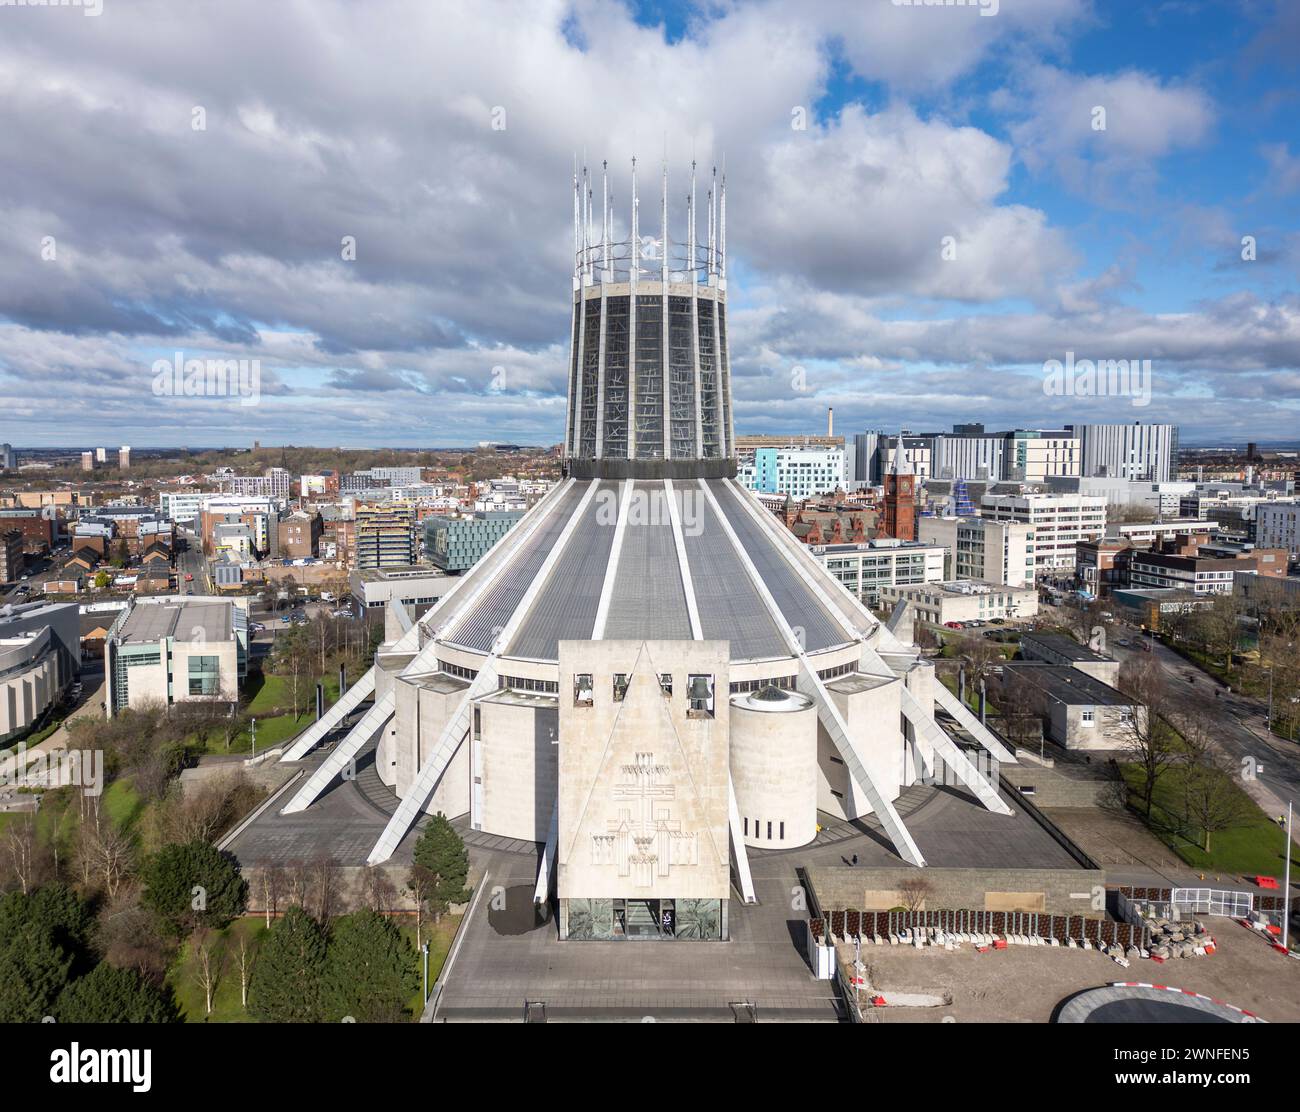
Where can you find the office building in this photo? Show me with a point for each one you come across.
(980, 548)
(385, 536)
(964, 600)
(456, 543)
(1058, 522)
(868, 567)
(168, 650)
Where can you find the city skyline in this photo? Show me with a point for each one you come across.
(385, 251)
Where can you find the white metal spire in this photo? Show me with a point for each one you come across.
(690, 224)
(577, 221)
(663, 249)
(604, 217)
(635, 259)
(722, 226)
(713, 223)
(586, 224)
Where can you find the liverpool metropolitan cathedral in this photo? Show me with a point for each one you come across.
(649, 675)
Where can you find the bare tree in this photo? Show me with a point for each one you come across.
(299, 883)
(1148, 738)
(271, 883)
(1219, 627)
(325, 888)
(379, 892)
(980, 654)
(420, 882)
(105, 854)
(1021, 706)
(205, 811)
(24, 859)
(914, 891)
(1211, 801)
(208, 961)
(127, 935)
(245, 968)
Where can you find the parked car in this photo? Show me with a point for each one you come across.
(189, 577)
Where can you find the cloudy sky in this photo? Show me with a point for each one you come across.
(182, 176)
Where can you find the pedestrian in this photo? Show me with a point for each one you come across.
(855, 860)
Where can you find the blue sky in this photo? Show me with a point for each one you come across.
(130, 234)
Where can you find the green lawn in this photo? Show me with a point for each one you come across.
(269, 702)
(972, 691)
(1250, 849)
(60, 815)
(226, 1006)
(122, 804)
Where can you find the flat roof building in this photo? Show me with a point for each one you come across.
(1081, 712)
(170, 651)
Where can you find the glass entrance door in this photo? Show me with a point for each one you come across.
(643, 919)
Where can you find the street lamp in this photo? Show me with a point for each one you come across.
(252, 730)
(424, 950)
(1286, 884)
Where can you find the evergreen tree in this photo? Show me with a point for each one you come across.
(33, 971)
(286, 981)
(370, 970)
(110, 995)
(56, 914)
(174, 873)
(441, 853)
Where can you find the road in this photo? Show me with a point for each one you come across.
(1240, 721)
(1241, 726)
(38, 569)
(190, 560)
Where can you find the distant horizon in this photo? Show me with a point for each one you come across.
(1184, 444)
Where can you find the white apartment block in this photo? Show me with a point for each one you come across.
(183, 505)
(978, 548)
(866, 569)
(799, 472)
(1058, 521)
(274, 484)
(1277, 525)
(397, 476)
(1135, 451)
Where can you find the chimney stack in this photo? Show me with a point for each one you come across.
(830, 420)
